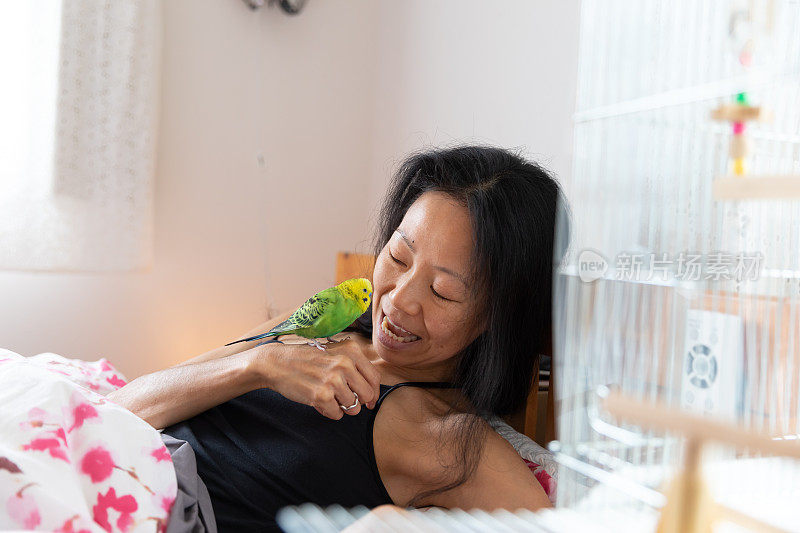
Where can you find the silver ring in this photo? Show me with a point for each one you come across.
(354, 403)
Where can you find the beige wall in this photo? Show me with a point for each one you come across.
(330, 99)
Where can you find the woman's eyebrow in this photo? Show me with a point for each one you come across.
(456, 275)
(405, 238)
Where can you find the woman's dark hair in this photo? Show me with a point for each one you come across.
(513, 205)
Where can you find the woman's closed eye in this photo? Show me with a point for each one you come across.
(440, 296)
(396, 260)
(435, 293)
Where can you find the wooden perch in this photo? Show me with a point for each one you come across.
(741, 113)
(755, 187)
(660, 417)
(690, 507)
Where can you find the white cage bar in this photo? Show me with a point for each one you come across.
(725, 342)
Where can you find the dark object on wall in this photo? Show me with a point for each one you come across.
(291, 7)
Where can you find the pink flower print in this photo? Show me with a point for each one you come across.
(80, 413)
(161, 454)
(125, 505)
(166, 503)
(105, 367)
(30, 424)
(547, 483)
(125, 520)
(23, 510)
(53, 447)
(37, 413)
(68, 527)
(116, 381)
(544, 479)
(97, 464)
(36, 418)
(61, 435)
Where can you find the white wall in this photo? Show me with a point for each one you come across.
(332, 99)
(452, 71)
(239, 84)
(235, 84)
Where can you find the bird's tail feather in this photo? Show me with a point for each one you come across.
(268, 334)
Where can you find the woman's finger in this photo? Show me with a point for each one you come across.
(360, 386)
(358, 382)
(366, 370)
(346, 366)
(324, 402)
(373, 378)
(345, 396)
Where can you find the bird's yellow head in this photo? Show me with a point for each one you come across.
(358, 289)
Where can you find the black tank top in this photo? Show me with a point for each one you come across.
(260, 452)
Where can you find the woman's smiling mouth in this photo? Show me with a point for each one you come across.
(393, 336)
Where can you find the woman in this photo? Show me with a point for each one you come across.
(460, 312)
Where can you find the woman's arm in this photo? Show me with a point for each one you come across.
(153, 397)
(301, 373)
(168, 396)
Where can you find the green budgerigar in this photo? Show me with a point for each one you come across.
(325, 314)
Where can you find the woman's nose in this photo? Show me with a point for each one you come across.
(405, 297)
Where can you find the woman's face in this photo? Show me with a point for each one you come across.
(423, 308)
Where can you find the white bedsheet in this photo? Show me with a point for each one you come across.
(70, 460)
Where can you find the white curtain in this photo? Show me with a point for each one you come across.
(79, 104)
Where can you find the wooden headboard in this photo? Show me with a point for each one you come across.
(536, 420)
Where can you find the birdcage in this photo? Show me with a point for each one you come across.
(682, 280)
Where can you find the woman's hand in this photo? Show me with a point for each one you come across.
(323, 380)
(299, 372)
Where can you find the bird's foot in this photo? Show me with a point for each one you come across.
(335, 341)
(316, 343)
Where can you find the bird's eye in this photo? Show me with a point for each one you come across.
(365, 290)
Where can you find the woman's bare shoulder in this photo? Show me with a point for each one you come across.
(415, 441)
(501, 480)
(421, 449)
(423, 412)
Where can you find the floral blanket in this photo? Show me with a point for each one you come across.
(72, 461)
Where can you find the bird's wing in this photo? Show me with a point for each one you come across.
(308, 314)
